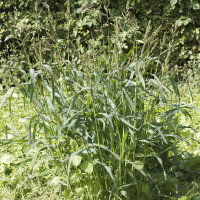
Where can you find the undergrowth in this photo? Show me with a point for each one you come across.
(107, 127)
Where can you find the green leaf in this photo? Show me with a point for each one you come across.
(32, 85)
(196, 5)
(35, 156)
(139, 163)
(87, 166)
(131, 103)
(145, 188)
(141, 79)
(160, 132)
(127, 56)
(127, 123)
(74, 178)
(70, 161)
(179, 137)
(8, 37)
(179, 22)
(135, 166)
(161, 163)
(52, 81)
(186, 21)
(108, 169)
(45, 5)
(184, 198)
(79, 191)
(189, 162)
(173, 2)
(5, 96)
(13, 129)
(29, 128)
(111, 127)
(76, 160)
(74, 99)
(10, 103)
(34, 98)
(50, 105)
(55, 181)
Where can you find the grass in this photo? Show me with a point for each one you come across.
(109, 127)
(14, 183)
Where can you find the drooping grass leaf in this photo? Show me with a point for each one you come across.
(161, 163)
(50, 105)
(29, 128)
(179, 137)
(141, 79)
(52, 81)
(34, 98)
(131, 103)
(135, 166)
(108, 169)
(32, 84)
(35, 156)
(10, 103)
(13, 129)
(75, 97)
(96, 84)
(126, 58)
(111, 128)
(174, 85)
(127, 123)
(160, 132)
(5, 96)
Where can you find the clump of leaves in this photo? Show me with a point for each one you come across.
(106, 131)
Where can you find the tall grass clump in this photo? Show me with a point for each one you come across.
(106, 128)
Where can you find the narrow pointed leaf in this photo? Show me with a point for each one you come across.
(13, 129)
(52, 81)
(111, 128)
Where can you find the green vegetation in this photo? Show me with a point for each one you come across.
(92, 121)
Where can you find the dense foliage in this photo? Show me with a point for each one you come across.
(102, 106)
(23, 24)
